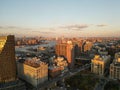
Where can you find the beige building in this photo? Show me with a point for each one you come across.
(99, 64)
(115, 69)
(7, 59)
(33, 71)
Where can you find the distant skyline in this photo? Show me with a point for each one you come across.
(52, 18)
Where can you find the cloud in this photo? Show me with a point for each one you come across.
(7, 27)
(101, 25)
(11, 27)
(75, 27)
(1, 27)
(14, 28)
(42, 32)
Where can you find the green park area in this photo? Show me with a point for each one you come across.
(82, 81)
(112, 85)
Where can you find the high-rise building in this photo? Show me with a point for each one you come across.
(99, 64)
(61, 49)
(67, 50)
(7, 59)
(8, 76)
(115, 68)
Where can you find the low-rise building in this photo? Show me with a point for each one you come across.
(33, 71)
(61, 62)
(99, 64)
(54, 71)
(57, 66)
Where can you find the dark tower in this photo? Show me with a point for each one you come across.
(7, 59)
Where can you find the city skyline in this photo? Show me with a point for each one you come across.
(71, 18)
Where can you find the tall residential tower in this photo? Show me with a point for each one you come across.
(7, 59)
(67, 50)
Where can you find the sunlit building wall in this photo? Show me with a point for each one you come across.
(67, 50)
(34, 73)
(99, 64)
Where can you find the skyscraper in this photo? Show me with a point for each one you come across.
(7, 59)
(8, 77)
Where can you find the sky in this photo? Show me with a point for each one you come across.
(55, 18)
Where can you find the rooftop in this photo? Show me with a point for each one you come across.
(116, 62)
(34, 62)
(101, 58)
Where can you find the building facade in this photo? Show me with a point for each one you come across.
(61, 49)
(7, 59)
(32, 71)
(99, 64)
(67, 50)
(115, 69)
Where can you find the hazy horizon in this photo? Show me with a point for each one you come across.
(53, 18)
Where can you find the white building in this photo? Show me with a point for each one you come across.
(115, 69)
(99, 64)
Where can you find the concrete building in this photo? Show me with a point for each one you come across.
(7, 59)
(78, 47)
(67, 50)
(33, 71)
(115, 69)
(99, 64)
